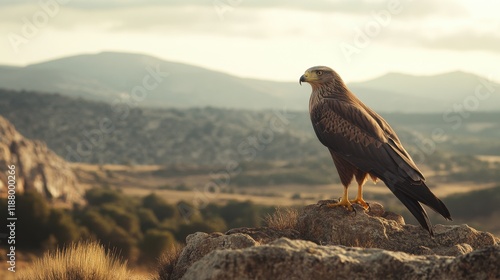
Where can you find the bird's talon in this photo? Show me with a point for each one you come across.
(362, 203)
(345, 204)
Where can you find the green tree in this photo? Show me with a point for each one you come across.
(155, 242)
(128, 221)
(33, 212)
(125, 244)
(240, 214)
(160, 207)
(97, 224)
(99, 196)
(147, 219)
(63, 227)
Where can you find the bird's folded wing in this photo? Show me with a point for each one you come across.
(350, 131)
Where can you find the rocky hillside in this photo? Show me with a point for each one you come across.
(324, 243)
(96, 132)
(36, 167)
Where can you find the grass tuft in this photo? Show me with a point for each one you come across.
(79, 261)
(283, 219)
(168, 261)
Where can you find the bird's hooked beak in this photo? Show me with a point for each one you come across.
(304, 77)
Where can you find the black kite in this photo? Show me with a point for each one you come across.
(362, 143)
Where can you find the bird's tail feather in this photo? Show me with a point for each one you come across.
(420, 192)
(411, 194)
(416, 209)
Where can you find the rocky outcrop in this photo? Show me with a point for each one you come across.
(377, 228)
(327, 243)
(37, 167)
(298, 259)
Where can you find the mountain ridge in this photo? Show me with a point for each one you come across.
(111, 76)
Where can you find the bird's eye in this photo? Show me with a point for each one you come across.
(319, 72)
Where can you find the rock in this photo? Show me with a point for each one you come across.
(37, 167)
(265, 235)
(200, 244)
(298, 259)
(319, 247)
(377, 228)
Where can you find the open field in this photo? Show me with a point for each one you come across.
(144, 179)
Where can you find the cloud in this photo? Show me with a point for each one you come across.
(467, 40)
(419, 8)
(260, 19)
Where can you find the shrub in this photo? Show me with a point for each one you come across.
(147, 219)
(125, 244)
(156, 242)
(63, 227)
(240, 214)
(128, 221)
(160, 207)
(98, 196)
(33, 212)
(100, 226)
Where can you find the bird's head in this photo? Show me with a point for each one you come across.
(318, 75)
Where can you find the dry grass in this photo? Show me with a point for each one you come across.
(283, 218)
(79, 261)
(167, 262)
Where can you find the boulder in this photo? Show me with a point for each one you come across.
(37, 167)
(333, 243)
(377, 228)
(298, 259)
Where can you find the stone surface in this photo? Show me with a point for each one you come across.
(37, 167)
(265, 235)
(298, 259)
(200, 244)
(372, 244)
(376, 228)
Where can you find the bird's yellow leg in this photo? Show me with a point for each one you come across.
(343, 202)
(359, 198)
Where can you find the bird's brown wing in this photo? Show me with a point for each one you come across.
(391, 135)
(349, 130)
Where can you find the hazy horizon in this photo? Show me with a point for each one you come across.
(243, 77)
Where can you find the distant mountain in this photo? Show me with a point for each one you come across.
(112, 76)
(441, 91)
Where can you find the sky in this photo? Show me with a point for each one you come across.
(272, 40)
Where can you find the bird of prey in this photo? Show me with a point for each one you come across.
(363, 144)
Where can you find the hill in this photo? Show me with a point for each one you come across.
(440, 91)
(97, 132)
(113, 76)
(116, 77)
